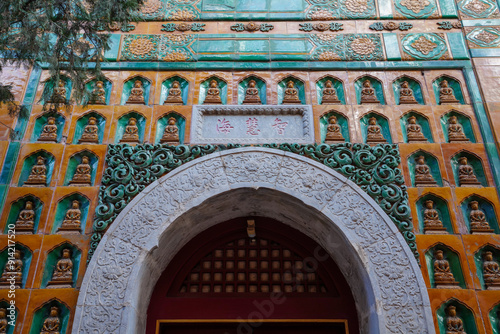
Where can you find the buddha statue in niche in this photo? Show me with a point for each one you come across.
(52, 325)
(213, 93)
(62, 276)
(49, 131)
(329, 94)
(252, 95)
(72, 219)
(38, 175)
(4, 323)
(368, 94)
(423, 176)
(414, 131)
(455, 131)
(171, 132)
(136, 94)
(98, 95)
(443, 277)
(466, 175)
(82, 176)
(59, 93)
(90, 133)
(131, 134)
(291, 95)
(25, 222)
(14, 270)
(446, 94)
(333, 131)
(406, 94)
(174, 94)
(432, 223)
(454, 324)
(478, 222)
(374, 132)
(491, 272)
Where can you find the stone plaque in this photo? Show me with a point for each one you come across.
(214, 124)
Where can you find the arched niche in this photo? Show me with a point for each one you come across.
(430, 160)
(26, 257)
(129, 84)
(413, 84)
(453, 84)
(123, 122)
(454, 260)
(297, 83)
(43, 313)
(422, 120)
(382, 121)
(75, 160)
(472, 160)
(463, 311)
(479, 260)
(84, 121)
(205, 85)
(54, 255)
(463, 120)
(167, 85)
(485, 206)
(337, 85)
(260, 85)
(20, 204)
(66, 203)
(494, 316)
(11, 312)
(49, 86)
(342, 121)
(163, 122)
(31, 160)
(440, 205)
(42, 120)
(375, 83)
(91, 85)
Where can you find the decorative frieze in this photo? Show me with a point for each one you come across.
(171, 27)
(252, 26)
(333, 26)
(379, 26)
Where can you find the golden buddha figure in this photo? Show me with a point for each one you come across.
(171, 132)
(4, 323)
(38, 175)
(252, 93)
(466, 175)
(432, 223)
(423, 176)
(90, 133)
(82, 176)
(72, 222)
(62, 276)
(26, 220)
(49, 131)
(291, 94)
(333, 131)
(52, 325)
(136, 94)
(478, 222)
(491, 272)
(131, 134)
(329, 94)
(454, 325)
(368, 94)
(455, 131)
(213, 93)
(414, 131)
(406, 94)
(13, 269)
(98, 95)
(374, 132)
(59, 93)
(443, 277)
(174, 94)
(446, 94)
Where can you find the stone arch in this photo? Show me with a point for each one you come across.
(386, 280)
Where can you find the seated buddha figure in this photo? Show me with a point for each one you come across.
(291, 95)
(406, 94)
(432, 223)
(446, 94)
(374, 132)
(71, 222)
(49, 131)
(52, 325)
(136, 94)
(455, 131)
(252, 95)
(13, 269)
(478, 222)
(174, 94)
(368, 94)
(491, 272)
(59, 93)
(90, 133)
(454, 324)
(333, 130)
(38, 175)
(414, 131)
(26, 220)
(131, 134)
(98, 95)
(443, 277)
(171, 133)
(213, 93)
(423, 176)
(329, 94)
(4, 323)
(62, 277)
(466, 175)
(82, 174)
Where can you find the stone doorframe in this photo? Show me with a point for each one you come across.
(385, 279)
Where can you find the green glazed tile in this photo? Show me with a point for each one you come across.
(457, 44)
(391, 46)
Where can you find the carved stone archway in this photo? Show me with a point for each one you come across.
(385, 278)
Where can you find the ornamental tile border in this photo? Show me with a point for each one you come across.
(130, 169)
(487, 37)
(424, 47)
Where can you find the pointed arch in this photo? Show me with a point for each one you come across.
(30, 160)
(222, 84)
(299, 85)
(473, 160)
(441, 205)
(65, 203)
(452, 256)
(43, 311)
(414, 84)
(463, 119)
(123, 121)
(261, 85)
(128, 84)
(465, 312)
(453, 83)
(376, 84)
(162, 123)
(54, 254)
(430, 160)
(422, 120)
(338, 85)
(382, 121)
